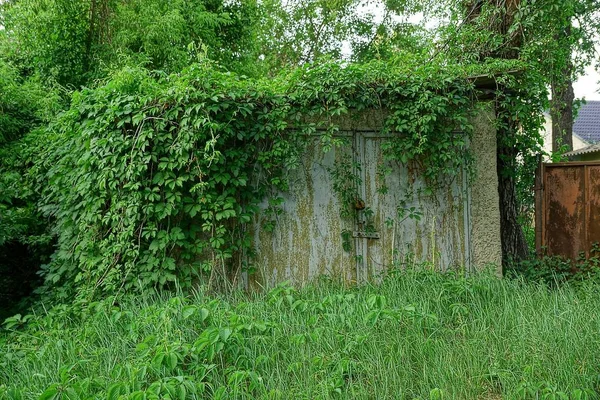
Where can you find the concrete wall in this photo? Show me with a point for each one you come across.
(457, 225)
(485, 205)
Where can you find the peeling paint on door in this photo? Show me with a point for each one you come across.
(456, 225)
(308, 237)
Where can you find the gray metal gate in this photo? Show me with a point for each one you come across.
(397, 218)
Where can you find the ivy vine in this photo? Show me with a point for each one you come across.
(155, 180)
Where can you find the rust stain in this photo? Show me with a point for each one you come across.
(594, 205)
(570, 208)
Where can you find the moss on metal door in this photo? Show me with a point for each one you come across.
(352, 214)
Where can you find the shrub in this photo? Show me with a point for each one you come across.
(25, 242)
(556, 270)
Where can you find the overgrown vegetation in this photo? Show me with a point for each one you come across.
(556, 270)
(153, 180)
(132, 133)
(25, 242)
(138, 139)
(418, 335)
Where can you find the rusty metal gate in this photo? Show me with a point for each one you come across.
(567, 208)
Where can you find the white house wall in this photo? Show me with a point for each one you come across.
(578, 143)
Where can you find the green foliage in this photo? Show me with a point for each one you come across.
(49, 37)
(299, 32)
(154, 180)
(24, 103)
(24, 240)
(556, 270)
(75, 42)
(555, 38)
(291, 34)
(419, 335)
(149, 176)
(78, 43)
(560, 32)
(521, 112)
(146, 177)
(169, 35)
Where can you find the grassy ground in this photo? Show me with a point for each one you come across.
(417, 335)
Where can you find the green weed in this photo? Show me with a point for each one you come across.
(418, 335)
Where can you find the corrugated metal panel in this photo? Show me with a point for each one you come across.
(593, 211)
(586, 150)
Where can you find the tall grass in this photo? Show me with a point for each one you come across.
(416, 335)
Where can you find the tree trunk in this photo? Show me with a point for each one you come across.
(562, 117)
(90, 37)
(514, 244)
(561, 109)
